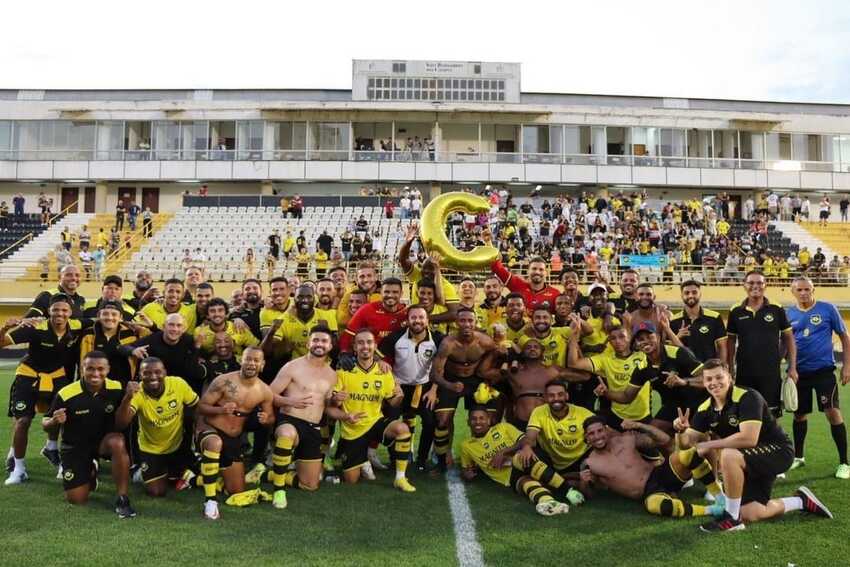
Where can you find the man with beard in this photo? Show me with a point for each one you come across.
(203, 295)
(107, 335)
(172, 303)
(534, 291)
(427, 292)
(174, 347)
(672, 371)
(367, 282)
(216, 322)
(252, 303)
(626, 300)
(291, 332)
(646, 311)
(756, 327)
(363, 391)
(491, 310)
(411, 352)
(325, 297)
(429, 270)
(222, 360)
(222, 413)
(381, 317)
(455, 373)
(701, 330)
(142, 292)
(616, 366)
(598, 315)
(84, 411)
(47, 367)
(489, 450)
(165, 408)
(515, 320)
(300, 391)
(69, 282)
(570, 281)
(553, 448)
(111, 291)
(554, 340)
(194, 278)
(616, 462)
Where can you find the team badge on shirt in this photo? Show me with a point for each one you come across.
(172, 404)
(704, 329)
(815, 319)
(768, 318)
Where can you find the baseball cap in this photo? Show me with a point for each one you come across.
(111, 304)
(596, 286)
(645, 326)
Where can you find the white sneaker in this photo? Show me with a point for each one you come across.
(781, 476)
(367, 472)
(59, 473)
(376, 463)
(17, 476)
(552, 508)
(137, 476)
(211, 510)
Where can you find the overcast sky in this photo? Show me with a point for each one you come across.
(743, 49)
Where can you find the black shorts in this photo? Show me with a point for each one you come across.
(447, 400)
(353, 452)
(764, 462)
(663, 479)
(770, 387)
(518, 423)
(231, 447)
(156, 466)
(825, 386)
(574, 467)
(78, 466)
(824, 214)
(581, 394)
(25, 396)
(309, 446)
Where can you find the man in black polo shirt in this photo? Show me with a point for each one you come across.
(69, 281)
(142, 292)
(48, 366)
(222, 360)
(174, 347)
(756, 327)
(252, 302)
(107, 334)
(85, 413)
(111, 291)
(626, 300)
(701, 330)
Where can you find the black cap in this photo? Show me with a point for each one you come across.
(112, 304)
(60, 298)
(113, 279)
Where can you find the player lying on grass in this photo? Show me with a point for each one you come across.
(489, 450)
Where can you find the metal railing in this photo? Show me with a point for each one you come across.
(420, 155)
(30, 235)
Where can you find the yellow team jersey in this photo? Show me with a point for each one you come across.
(618, 373)
(477, 451)
(489, 317)
(241, 339)
(598, 336)
(294, 332)
(157, 313)
(321, 259)
(367, 390)
(440, 327)
(268, 315)
(562, 439)
(161, 419)
(342, 309)
(449, 292)
(554, 346)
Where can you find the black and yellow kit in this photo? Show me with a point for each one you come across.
(48, 366)
(121, 368)
(682, 362)
(41, 304)
(562, 440)
(91, 308)
(90, 417)
(478, 451)
(706, 331)
(773, 453)
(618, 374)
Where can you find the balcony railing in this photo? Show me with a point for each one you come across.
(420, 156)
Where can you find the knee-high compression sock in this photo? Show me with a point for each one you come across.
(327, 433)
(799, 430)
(536, 492)
(700, 469)
(209, 471)
(281, 458)
(839, 435)
(441, 442)
(541, 472)
(666, 505)
(290, 479)
(401, 452)
(411, 426)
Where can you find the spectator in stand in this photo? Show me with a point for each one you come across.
(250, 268)
(98, 258)
(289, 245)
(296, 207)
(346, 240)
(322, 260)
(389, 207)
(325, 242)
(415, 205)
(749, 208)
(285, 206)
(67, 238)
(18, 202)
(843, 205)
(84, 238)
(807, 206)
(825, 208)
(87, 262)
(361, 226)
(63, 257)
(4, 216)
(186, 261)
(114, 239)
(785, 207)
(101, 239)
(302, 260)
(133, 214)
(773, 205)
(147, 223)
(805, 258)
(120, 212)
(404, 204)
(273, 241)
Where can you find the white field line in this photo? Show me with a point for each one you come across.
(469, 553)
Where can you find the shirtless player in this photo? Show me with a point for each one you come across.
(454, 372)
(615, 463)
(300, 390)
(223, 410)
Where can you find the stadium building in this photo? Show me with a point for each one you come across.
(435, 125)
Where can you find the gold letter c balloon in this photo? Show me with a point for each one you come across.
(433, 231)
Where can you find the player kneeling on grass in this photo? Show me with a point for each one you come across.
(490, 449)
(84, 411)
(617, 462)
(752, 448)
(365, 388)
(164, 406)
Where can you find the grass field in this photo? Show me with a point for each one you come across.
(372, 524)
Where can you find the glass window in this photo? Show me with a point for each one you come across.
(249, 139)
(110, 140)
(166, 139)
(778, 146)
(330, 140)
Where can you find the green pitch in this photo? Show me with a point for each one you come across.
(372, 524)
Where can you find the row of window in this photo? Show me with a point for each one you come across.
(421, 83)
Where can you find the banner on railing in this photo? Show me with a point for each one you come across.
(637, 261)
